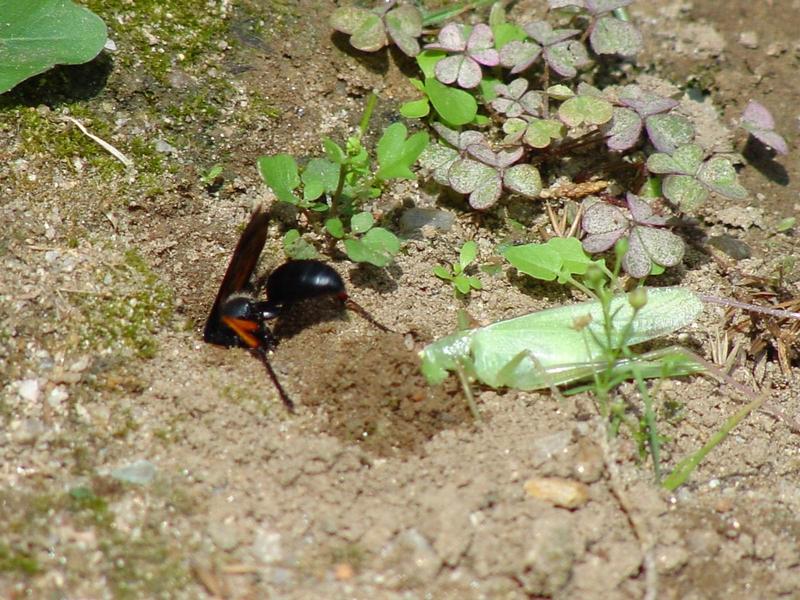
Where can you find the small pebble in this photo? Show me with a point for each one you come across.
(140, 473)
(558, 492)
(749, 39)
(29, 390)
(266, 547)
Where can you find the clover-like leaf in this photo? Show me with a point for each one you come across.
(603, 223)
(437, 159)
(645, 103)
(758, 121)
(684, 191)
(466, 175)
(524, 180)
(365, 27)
(540, 132)
(648, 245)
(685, 160)
(519, 55)
(612, 36)
(718, 175)
(642, 211)
(404, 25)
(585, 109)
(464, 66)
(566, 58)
(624, 129)
(514, 100)
(669, 131)
(487, 192)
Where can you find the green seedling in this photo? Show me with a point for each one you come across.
(36, 35)
(212, 177)
(335, 186)
(456, 275)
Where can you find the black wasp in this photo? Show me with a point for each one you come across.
(239, 319)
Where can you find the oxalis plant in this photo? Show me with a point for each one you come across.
(511, 104)
(513, 107)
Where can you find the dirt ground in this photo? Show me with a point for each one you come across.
(138, 462)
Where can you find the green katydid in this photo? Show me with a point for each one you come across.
(546, 349)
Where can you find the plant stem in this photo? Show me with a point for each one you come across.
(372, 100)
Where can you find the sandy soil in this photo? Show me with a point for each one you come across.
(380, 486)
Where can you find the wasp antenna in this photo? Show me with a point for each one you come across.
(362, 312)
(261, 353)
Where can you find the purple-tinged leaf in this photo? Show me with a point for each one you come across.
(648, 245)
(757, 115)
(603, 223)
(404, 25)
(487, 58)
(524, 180)
(466, 175)
(519, 55)
(450, 39)
(758, 121)
(642, 212)
(508, 107)
(612, 36)
(448, 69)
(645, 103)
(542, 32)
(506, 158)
(668, 132)
(556, 4)
(481, 38)
(598, 7)
(565, 58)
(624, 129)
(437, 159)
(514, 129)
(684, 191)
(718, 175)
(487, 193)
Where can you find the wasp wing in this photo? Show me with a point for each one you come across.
(240, 270)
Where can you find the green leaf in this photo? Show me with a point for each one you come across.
(585, 109)
(296, 247)
(718, 174)
(468, 253)
(685, 191)
(279, 172)
(319, 176)
(523, 179)
(361, 222)
(442, 273)
(574, 259)
(461, 283)
(427, 60)
(396, 154)
(475, 283)
(377, 247)
(612, 36)
(415, 109)
(455, 106)
(507, 32)
(335, 227)
(36, 35)
(685, 160)
(334, 151)
(785, 224)
(536, 260)
(668, 131)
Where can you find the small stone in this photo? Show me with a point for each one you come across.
(558, 492)
(56, 398)
(749, 39)
(267, 547)
(671, 558)
(588, 463)
(410, 561)
(80, 365)
(548, 446)
(141, 472)
(165, 147)
(422, 220)
(343, 572)
(29, 390)
(736, 249)
(224, 534)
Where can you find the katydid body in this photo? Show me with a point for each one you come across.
(544, 348)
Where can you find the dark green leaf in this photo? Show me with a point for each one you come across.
(455, 106)
(320, 176)
(361, 222)
(396, 154)
(335, 227)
